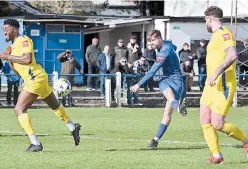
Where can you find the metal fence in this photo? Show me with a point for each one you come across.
(110, 90)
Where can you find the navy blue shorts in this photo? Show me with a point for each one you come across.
(177, 85)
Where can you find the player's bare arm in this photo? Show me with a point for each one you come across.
(25, 59)
(230, 59)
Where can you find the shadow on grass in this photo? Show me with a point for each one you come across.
(237, 163)
(161, 149)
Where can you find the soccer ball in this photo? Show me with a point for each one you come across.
(62, 87)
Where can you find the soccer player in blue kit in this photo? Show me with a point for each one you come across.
(171, 84)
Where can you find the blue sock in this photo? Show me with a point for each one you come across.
(175, 104)
(162, 128)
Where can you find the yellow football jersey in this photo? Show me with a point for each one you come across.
(216, 54)
(33, 71)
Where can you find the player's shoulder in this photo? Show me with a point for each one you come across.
(223, 33)
(223, 30)
(23, 38)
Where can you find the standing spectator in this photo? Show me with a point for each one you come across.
(13, 81)
(69, 63)
(201, 55)
(150, 55)
(188, 72)
(119, 51)
(91, 55)
(185, 53)
(121, 67)
(104, 64)
(134, 51)
(1, 67)
(242, 64)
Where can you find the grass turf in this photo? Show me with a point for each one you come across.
(116, 138)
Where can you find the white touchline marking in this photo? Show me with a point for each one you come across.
(117, 139)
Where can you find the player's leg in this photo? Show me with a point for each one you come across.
(209, 131)
(25, 100)
(163, 125)
(60, 112)
(171, 101)
(210, 135)
(218, 115)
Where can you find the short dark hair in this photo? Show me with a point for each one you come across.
(11, 22)
(155, 32)
(186, 44)
(214, 11)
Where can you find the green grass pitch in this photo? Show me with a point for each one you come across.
(116, 138)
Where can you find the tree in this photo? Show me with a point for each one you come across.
(150, 8)
(8, 10)
(65, 6)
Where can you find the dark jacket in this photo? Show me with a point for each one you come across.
(68, 66)
(92, 54)
(134, 53)
(184, 55)
(101, 63)
(118, 53)
(186, 70)
(201, 53)
(121, 68)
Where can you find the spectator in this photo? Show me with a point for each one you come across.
(188, 72)
(201, 55)
(150, 55)
(242, 64)
(119, 51)
(104, 64)
(139, 68)
(68, 65)
(134, 51)
(121, 67)
(13, 82)
(185, 53)
(91, 55)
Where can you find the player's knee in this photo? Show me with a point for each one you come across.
(218, 125)
(204, 119)
(18, 110)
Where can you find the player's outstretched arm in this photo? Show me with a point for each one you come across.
(155, 67)
(230, 59)
(25, 59)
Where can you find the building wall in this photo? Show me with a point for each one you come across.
(182, 8)
(111, 37)
(190, 31)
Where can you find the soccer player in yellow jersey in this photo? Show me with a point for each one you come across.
(220, 85)
(22, 60)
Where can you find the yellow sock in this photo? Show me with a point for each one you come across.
(211, 138)
(61, 114)
(234, 132)
(25, 122)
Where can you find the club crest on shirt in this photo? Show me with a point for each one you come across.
(226, 37)
(25, 44)
(160, 59)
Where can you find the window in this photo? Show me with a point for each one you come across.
(55, 28)
(63, 28)
(72, 28)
